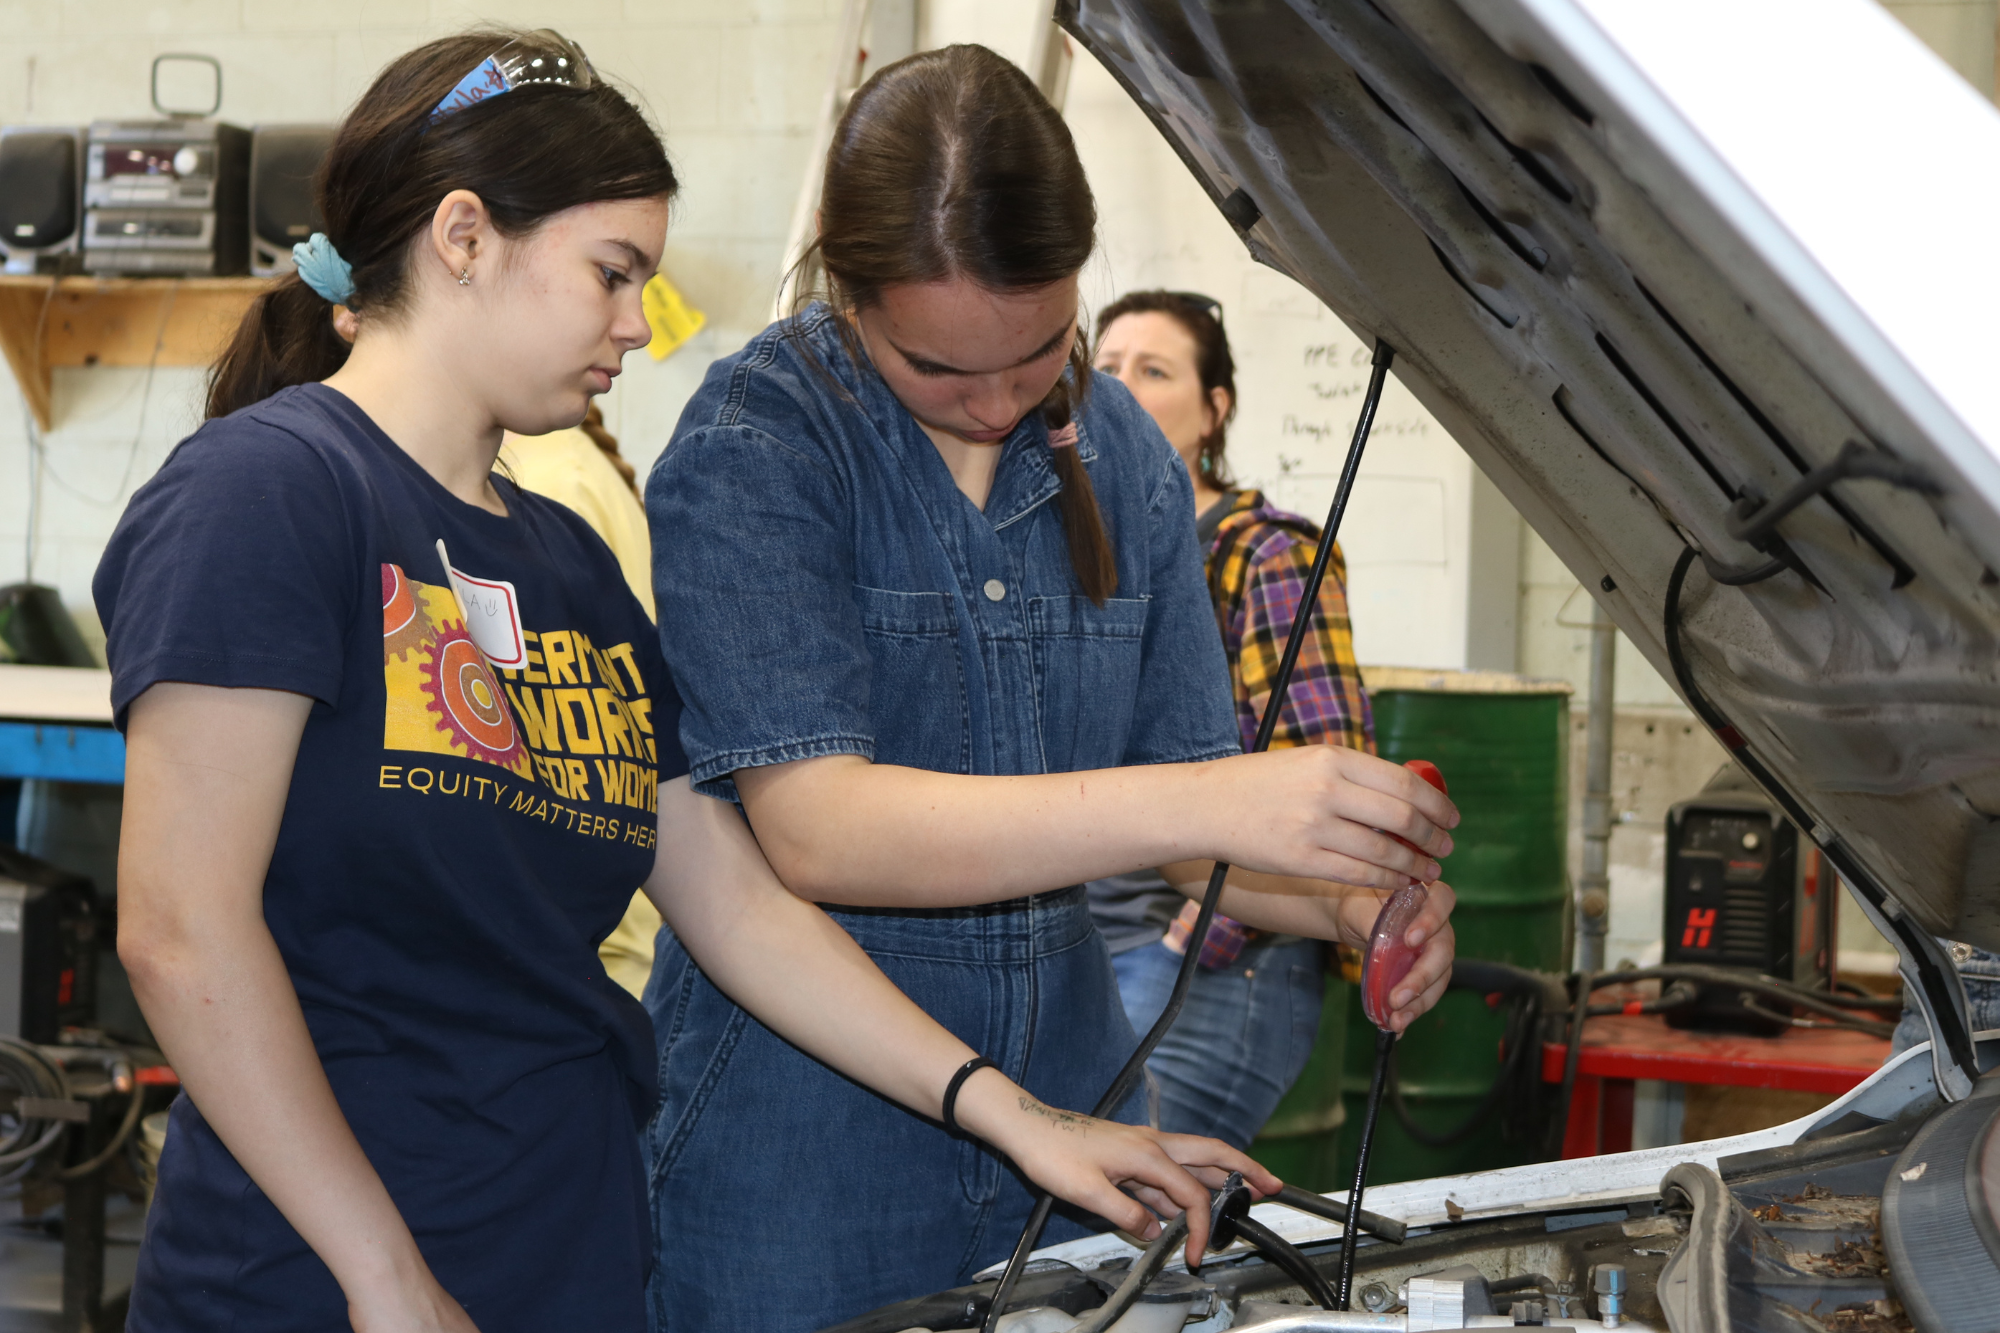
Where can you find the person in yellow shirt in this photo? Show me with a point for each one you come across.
(582, 468)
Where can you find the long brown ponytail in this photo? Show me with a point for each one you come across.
(528, 156)
(950, 163)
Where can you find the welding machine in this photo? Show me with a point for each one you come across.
(48, 949)
(1744, 891)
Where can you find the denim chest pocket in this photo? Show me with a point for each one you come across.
(1087, 663)
(916, 687)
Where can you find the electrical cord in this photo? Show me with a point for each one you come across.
(139, 431)
(1684, 978)
(1750, 1005)
(1520, 1074)
(33, 1075)
(1819, 1002)
(1679, 995)
(1522, 1042)
(1128, 1077)
(1752, 521)
(1531, 994)
(1848, 994)
(133, 1106)
(1559, 1126)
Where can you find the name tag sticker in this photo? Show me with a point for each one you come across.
(492, 614)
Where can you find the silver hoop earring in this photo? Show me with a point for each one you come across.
(465, 277)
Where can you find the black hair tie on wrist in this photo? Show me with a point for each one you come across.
(965, 1071)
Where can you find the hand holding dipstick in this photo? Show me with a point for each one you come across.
(1390, 955)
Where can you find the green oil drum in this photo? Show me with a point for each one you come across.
(1502, 742)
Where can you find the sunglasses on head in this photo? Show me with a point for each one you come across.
(1207, 305)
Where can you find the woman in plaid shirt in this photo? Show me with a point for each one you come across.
(1253, 1013)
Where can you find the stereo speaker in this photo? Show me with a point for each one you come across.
(41, 195)
(283, 159)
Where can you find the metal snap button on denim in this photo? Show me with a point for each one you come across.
(995, 590)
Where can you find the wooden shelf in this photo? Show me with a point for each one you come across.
(47, 322)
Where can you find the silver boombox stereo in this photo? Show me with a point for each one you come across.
(166, 196)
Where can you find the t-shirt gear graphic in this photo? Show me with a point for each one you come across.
(405, 623)
(467, 699)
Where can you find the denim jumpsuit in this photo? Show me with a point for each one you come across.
(825, 588)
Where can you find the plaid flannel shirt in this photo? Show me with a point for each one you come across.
(1258, 562)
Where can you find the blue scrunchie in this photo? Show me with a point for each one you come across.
(323, 270)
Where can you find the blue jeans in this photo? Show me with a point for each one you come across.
(1980, 971)
(1241, 1039)
(787, 1198)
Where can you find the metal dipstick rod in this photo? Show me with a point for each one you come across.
(1128, 1077)
(1385, 1043)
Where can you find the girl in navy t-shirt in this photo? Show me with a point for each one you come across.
(370, 848)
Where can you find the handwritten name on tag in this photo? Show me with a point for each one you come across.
(492, 612)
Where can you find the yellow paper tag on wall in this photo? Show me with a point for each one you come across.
(672, 319)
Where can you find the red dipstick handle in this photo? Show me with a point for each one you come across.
(1389, 959)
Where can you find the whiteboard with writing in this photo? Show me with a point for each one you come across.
(1300, 376)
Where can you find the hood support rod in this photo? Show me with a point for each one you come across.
(1128, 1077)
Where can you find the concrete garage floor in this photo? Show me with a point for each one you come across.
(31, 1267)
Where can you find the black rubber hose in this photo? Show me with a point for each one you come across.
(1135, 1066)
(1522, 1046)
(1818, 1002)
(1570, 1059)
(1283, 1254)
(1677, 996)
(110, 1150)
(1847, 994)
(1333, 1210)
(1751, 521)
(1750, 1005)
(33, 1075)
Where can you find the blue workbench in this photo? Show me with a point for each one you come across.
(55, 723)
(62, 752)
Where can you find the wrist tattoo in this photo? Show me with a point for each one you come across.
(1068, 1121)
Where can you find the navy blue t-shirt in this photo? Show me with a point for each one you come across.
(473, 804)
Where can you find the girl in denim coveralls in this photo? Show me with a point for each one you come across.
(930, 590)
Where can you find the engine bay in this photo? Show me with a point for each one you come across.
(1816, 1226)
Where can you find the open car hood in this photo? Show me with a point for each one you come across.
(1652, 265)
